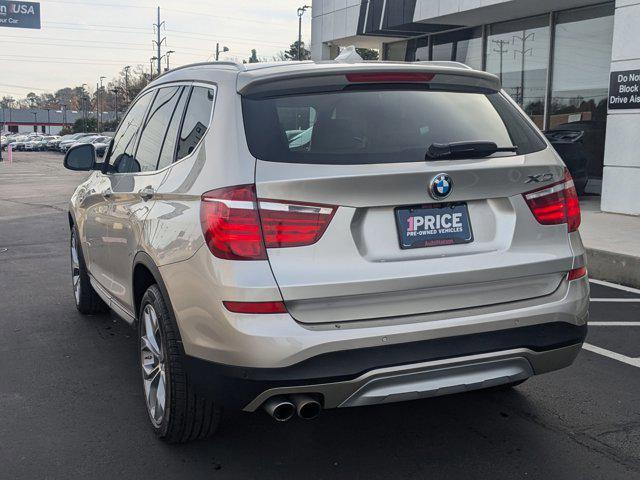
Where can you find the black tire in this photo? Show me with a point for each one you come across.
(88, 302)
(188, 415)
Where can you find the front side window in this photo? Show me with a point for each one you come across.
(196, 120)
(122, 158)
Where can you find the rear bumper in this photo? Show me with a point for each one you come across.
(398, 372)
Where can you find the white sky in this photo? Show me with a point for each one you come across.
(80, 41)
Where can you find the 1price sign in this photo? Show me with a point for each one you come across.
(624, 90)
(15, 14)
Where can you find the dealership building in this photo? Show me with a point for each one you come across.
(573, 66)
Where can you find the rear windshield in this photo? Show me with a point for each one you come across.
(380, 126)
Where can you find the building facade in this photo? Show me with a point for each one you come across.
(556, 58)
(42, 120)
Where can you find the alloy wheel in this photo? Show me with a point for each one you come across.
(75, 268)
(153, 365)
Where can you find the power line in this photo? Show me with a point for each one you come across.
(84, 4)
(176, 10)
(103, 62)
(197, 51)
(23, 87)
(205, 36)
(57, 39)
(61, 58)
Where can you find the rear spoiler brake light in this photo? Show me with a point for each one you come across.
(390, 77)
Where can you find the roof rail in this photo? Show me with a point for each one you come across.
(239, 66)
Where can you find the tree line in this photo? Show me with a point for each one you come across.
(117, 94)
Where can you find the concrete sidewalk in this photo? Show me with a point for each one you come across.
(612, 242)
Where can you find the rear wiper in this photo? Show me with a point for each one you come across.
(443, 151)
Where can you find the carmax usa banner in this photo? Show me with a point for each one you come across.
(19, 14)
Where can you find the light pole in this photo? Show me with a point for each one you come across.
(48, 109)
(126, 82)
(301, 11)
(151, 60)
(224, 49)
(63, 106)
(83, 104)
(100, 106)
(167, 54)
(4, 121)
(35, 120)
(115, 92)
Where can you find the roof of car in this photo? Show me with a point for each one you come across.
(249, 73)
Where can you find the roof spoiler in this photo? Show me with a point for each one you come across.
(335, 76)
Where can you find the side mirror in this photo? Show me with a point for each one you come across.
(81, 157)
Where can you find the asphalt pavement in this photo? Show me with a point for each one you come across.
(71, 402)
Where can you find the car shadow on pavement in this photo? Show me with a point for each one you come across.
(446, 437)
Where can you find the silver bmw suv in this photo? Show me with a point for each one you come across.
(301, 236)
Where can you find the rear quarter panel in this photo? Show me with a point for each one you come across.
(172, 228)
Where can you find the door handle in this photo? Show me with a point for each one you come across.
(108, 193)
(146, 193)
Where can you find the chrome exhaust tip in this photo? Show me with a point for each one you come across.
(280, 408)
(307, 406)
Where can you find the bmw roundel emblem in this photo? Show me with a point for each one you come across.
(441, 186)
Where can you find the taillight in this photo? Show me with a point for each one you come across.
(238, 227)
(255, 307)
(231, 224)
(287, 224)
(556, 204)
(576, 273)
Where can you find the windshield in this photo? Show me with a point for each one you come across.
(380, 126)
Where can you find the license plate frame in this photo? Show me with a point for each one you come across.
(459, 232)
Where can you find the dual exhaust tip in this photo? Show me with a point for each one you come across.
(284, 408)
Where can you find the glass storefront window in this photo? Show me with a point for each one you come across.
(414, 50)
(417, 50)
(463, 46)
(581, 65)
(578, 104)
(396, 51)
(518, 53)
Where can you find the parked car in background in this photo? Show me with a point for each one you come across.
(19, 142)
(54, 144)
(66, 144)
(32, 143)
(581, 147)
(38, 144)
(101, 144)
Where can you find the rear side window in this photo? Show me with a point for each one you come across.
(168, 151)
(380, 126)
(155, 127)
(196, 120)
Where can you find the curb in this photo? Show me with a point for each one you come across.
(614, 267)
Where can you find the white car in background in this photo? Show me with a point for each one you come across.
(39, 144)
(66, 144)
(100, 142)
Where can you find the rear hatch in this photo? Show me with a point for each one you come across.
(406, 235)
